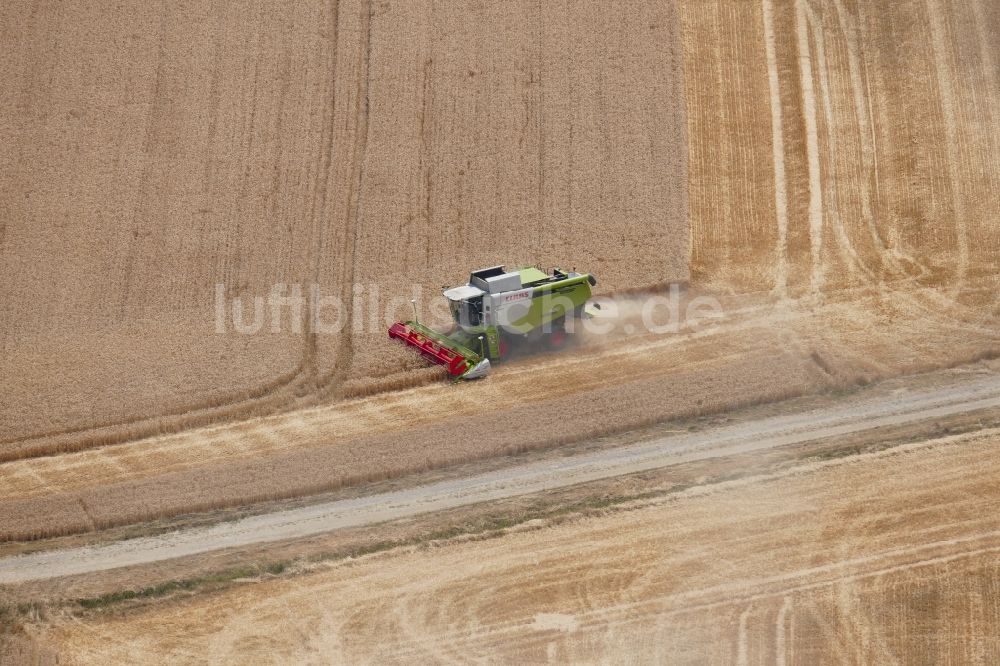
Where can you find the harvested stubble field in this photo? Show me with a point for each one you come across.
(841, 143)
(898, 566)
(777, 149)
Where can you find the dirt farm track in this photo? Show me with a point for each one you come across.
(719, 575)
(825, 171)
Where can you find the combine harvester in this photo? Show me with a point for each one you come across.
(497, 310)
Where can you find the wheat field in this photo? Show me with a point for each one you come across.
(825, 170)
(750, 147)
(150, 154)
(773, 153)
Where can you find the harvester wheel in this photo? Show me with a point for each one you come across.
(557, 339)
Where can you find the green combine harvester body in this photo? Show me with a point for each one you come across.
(495, 310)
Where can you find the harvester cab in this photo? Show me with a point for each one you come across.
(496, 311)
